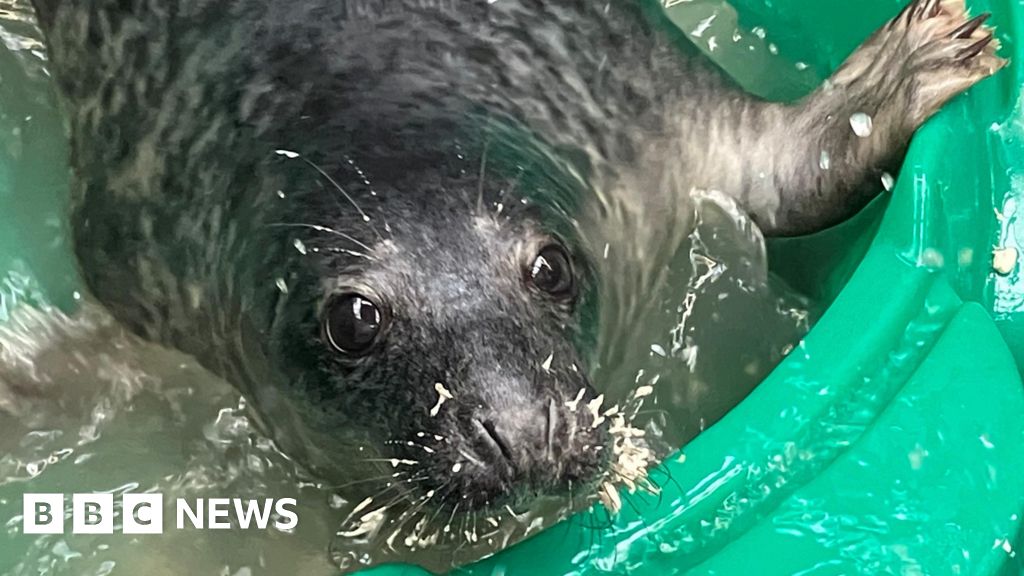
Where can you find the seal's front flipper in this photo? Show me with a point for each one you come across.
(857, 126)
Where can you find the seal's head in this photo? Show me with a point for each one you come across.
(439, 335)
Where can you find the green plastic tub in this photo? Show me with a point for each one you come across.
(891, 441)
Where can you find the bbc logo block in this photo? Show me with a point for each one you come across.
(43, 513)
(93, 513)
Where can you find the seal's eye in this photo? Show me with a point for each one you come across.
(352, 323)
(551, 271)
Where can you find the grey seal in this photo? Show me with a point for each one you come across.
(382, 220)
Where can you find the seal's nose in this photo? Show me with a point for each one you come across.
(526, 444)
(511, 446)
(520, 451)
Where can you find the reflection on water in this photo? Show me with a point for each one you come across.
(89, 408)
(86, 407)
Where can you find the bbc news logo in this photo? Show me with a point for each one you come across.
(94, 513)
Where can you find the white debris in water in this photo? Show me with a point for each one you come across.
(712, 44)
(703, 26)
(643, 391)
(299, 246)
(442, 395)
(368, 524)
(690, 354)
(825, 161)
(281, 285)
(801, 66)
(773, 48)
(546, 365)
(888, 181)
(457, 467)
(917, 456)
(574, 403)
(594, 407)
(286, 153)
(759, 32)
(1004, 260)
(631, 456)
(280, 194)
(986, 442)
(606, 247)
(609, 496)
(659, 350)
(861, 124)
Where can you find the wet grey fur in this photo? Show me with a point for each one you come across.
(421, 127)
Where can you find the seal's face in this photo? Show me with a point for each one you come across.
(450, 344)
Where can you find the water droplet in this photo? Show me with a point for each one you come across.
(888, 181)
(825, 161)
(861, 124)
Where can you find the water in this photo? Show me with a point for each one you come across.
(86, 407)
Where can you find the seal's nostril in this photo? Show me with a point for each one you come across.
(498, 440)
(551, 424)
